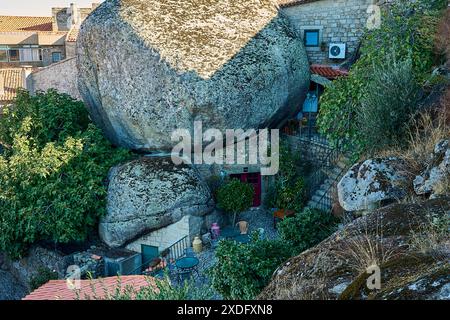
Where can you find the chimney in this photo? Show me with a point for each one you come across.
(74, 15)
(2, 85)
(26, 72)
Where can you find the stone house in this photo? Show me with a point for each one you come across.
(40, 41)
(329, 26)
(331, 31)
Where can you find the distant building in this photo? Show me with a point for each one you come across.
(40, 41)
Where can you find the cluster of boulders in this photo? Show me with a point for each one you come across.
(338, 267)
(377, 182)
(229, 64)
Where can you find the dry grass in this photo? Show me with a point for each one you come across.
(426, 131)
(363, 250)
(432, 237)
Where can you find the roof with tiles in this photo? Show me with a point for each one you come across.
(89, 289)
(18, 23)
(291, 3)
(12, 81)
(328, 72)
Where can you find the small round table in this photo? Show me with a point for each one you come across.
(186, 266)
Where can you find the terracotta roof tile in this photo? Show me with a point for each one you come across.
(17, 23)
(328, 72)
(12, 80)
(90, 289)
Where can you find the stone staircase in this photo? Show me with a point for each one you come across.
(324, 196)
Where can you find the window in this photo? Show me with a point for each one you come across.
(312, 38)
(56, 56)
(30, 53)
(14, 55)
(3, 55)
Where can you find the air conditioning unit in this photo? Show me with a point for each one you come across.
(337, 50)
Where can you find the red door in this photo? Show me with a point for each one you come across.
(255, 180)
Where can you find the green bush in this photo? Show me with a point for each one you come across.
(52, 171)
(288, 191)
(165, 290)
(307, 229)
(243, 270)
(407, 31)
(235, 197)
(43, 276)
(392, 97)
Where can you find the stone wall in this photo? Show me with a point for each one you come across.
(61, 76)
(165, 237)
(338, 21)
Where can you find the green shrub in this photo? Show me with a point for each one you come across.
(288, 191)
(235, 197)
(165, 290)
(391, 99)
(408, 30)
(307, 229)
(52, 171)
(43, 276)
(243, 270)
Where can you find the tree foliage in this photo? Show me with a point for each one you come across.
(235, 197)
(52, 171)
(288, 191)
(408, 31)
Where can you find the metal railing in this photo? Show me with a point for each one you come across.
(321, 172)
(177, 250)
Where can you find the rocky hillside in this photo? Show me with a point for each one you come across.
(403, 239)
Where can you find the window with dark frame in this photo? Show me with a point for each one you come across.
(14, 55)
(312, 38)
(56, 56)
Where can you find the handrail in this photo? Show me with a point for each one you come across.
(175, 251)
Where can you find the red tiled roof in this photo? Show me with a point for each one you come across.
(18, 23)
(291, 3)
(328, 71)
(89, 289)
(12, 81)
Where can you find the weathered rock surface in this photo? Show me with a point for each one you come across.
(10, 288)
(435, 180)
(370, 183)
(148, 67)
(148, 194)
(335, 269)
(15, 276)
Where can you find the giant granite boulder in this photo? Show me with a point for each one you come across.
(148, 67)
(371, 183)
(337, 267)
(148, 194)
